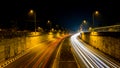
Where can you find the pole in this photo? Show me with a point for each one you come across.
(93, 21)
(35, 22)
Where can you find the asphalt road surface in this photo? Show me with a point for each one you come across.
(88, 57)
(64, 57)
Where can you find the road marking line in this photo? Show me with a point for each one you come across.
(57, 57)
(67, 61)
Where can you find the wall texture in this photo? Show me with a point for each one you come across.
(15, 43)
(107, 42)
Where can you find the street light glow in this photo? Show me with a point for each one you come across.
(48, 21)
(84, 21)
(82, 26)
(31, 11)
(96, 12)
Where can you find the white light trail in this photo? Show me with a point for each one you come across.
(90, 58)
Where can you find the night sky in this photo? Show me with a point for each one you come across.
(66, 13)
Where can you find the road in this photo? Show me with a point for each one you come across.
(39, 55)
(48, 52)
(88, 57)
(64, 57)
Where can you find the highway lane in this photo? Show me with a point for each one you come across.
(64, 57)
(89, 58)
(39, 55)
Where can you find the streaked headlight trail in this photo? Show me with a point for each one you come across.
(89, 57)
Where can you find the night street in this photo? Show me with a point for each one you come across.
(59, 34)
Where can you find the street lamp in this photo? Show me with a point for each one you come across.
(95, 13)
(84, 22)
(49, 24)
(32, 12)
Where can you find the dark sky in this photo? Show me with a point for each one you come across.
(67, 13)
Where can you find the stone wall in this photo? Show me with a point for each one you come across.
(15, 43)
(11, 44)
(107, 42)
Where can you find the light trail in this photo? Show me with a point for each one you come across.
(89, 57)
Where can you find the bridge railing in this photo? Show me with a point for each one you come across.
(113, 28)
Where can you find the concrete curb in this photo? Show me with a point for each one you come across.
(4, 64)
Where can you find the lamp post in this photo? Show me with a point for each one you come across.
(49, 24)
(32, 12)
(83, 22)
(95, 13)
